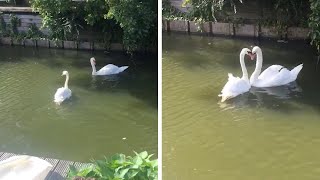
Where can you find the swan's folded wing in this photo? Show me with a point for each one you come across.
(59, 93)
(282, 78)
(270, 72)
(232, 78)
(108, 69)
(62, 94)
(235, 85)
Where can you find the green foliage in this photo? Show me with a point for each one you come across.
(34, 33)
(3, 28)
(60, 17)
(138, 19)
(13, 26)
(286, 13)
(207, 10)
(134, 22)
(11, 30)
(171, 13)
(94, 15)
(119, 167)
(314, 23)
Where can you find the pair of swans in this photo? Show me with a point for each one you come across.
(64, 93)
(275, 75)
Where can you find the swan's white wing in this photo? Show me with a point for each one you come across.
(282, 78)
(279, 79)
(231, 85)
(108, 69)
(62, 94)
(270, 72)
(234, 87)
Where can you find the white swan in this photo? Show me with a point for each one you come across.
(24, 167)
(235, 85)
(106, 70)
(275, 75)
(63, 93)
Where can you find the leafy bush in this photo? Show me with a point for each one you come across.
(169, 12)
(134, 22)
(314, 23)
(138, 19)
(13, 26)
(34, 33)
(207, 10)
(3, 28)
(63, 18)
(119, 167)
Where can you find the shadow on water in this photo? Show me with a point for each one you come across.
(269, 98)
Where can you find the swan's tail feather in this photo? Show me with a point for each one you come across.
(225, 97)
(58, 102)
(122, 68)
(295, 71)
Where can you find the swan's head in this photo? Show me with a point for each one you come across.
(246, 51)
(64, 73)
(93, 61)
(255, 50)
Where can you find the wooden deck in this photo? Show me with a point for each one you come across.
(59, 167)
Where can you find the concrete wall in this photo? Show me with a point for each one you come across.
(26, 19)
(230, 29)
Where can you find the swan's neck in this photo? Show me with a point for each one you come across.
(243, 67)
(67, 80)
(257, 70)
(94, 71)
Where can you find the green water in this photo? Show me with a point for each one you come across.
(106, 115)
(263, 134)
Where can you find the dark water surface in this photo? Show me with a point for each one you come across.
(106, 115)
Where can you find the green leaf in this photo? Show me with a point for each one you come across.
(131, 174)
(123, 172)
(143, 154)
(85, 171)
(72, 171)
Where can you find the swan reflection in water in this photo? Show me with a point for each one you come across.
(263, 96)
(280, 92)
(109, 81)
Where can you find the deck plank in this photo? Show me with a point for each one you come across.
(61, 170)
(7, 155)
(54, 163)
